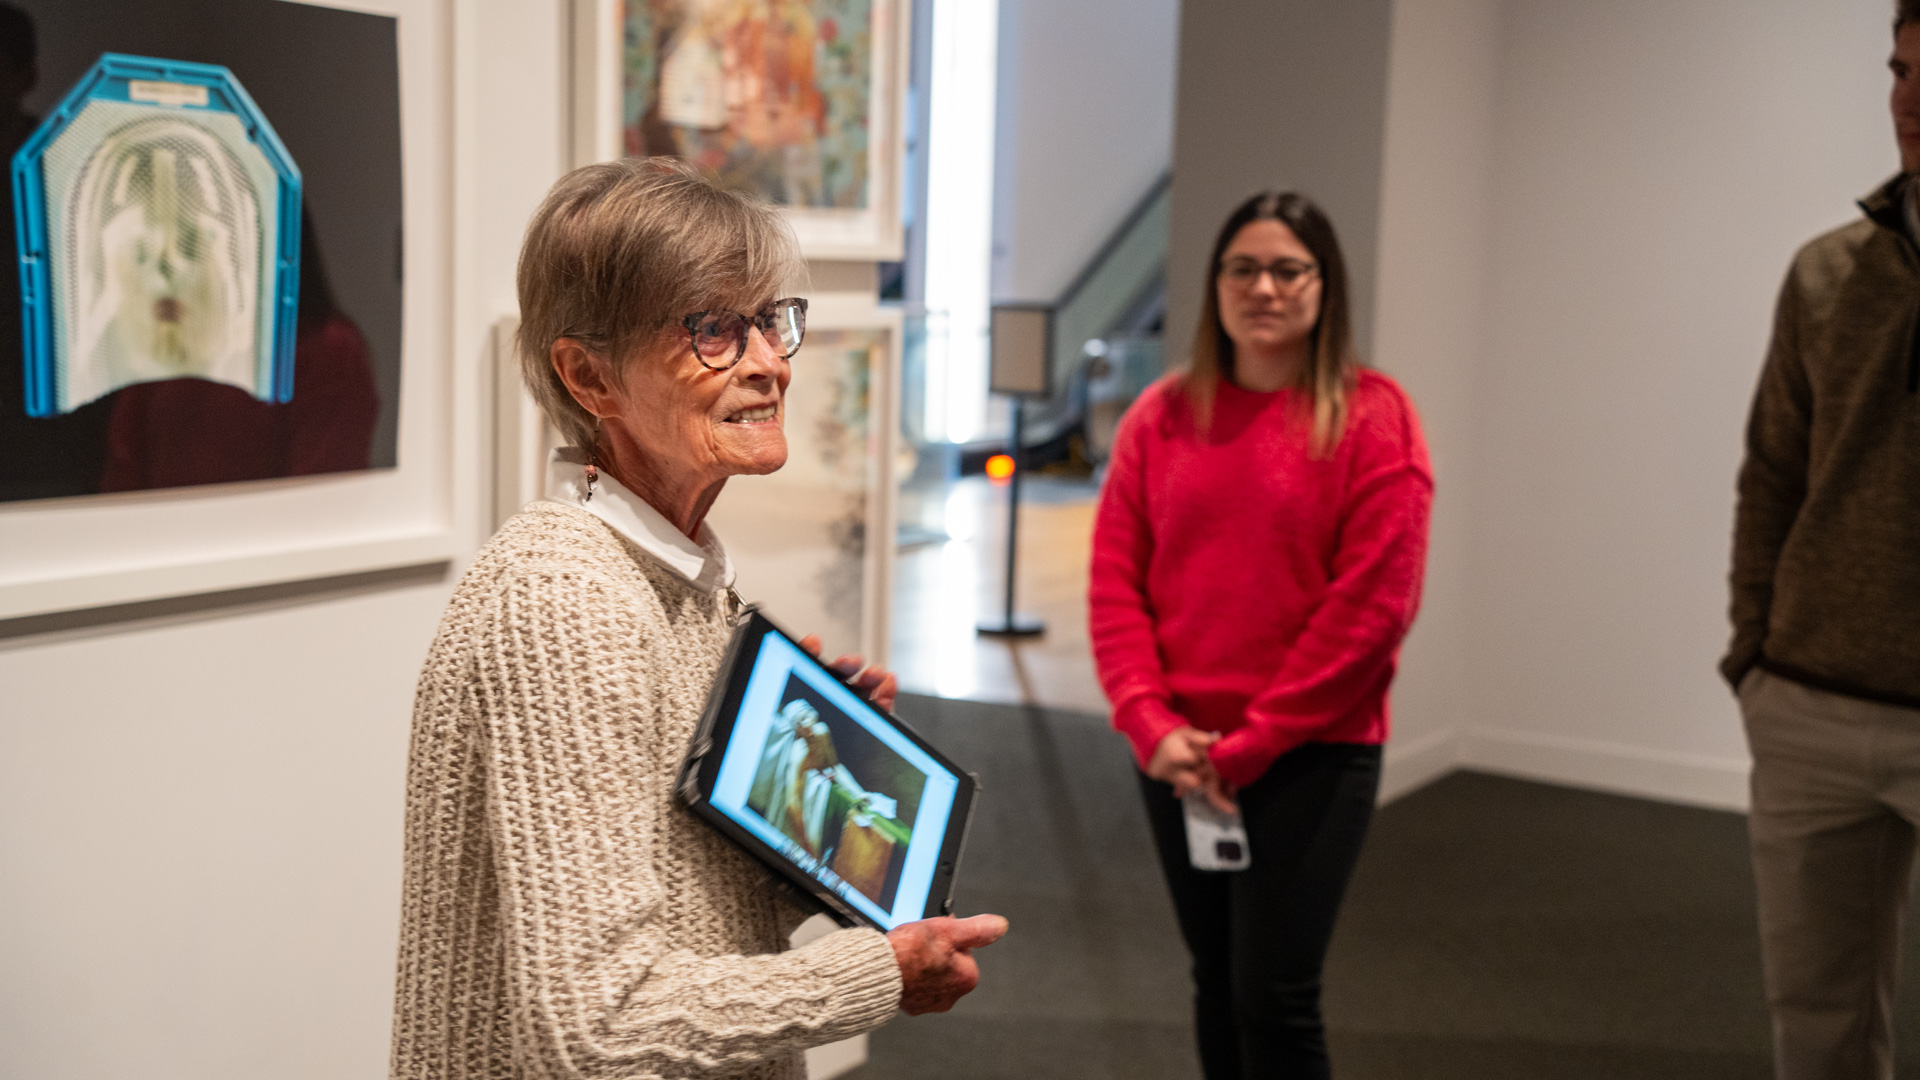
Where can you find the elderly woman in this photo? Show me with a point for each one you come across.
(563, 915)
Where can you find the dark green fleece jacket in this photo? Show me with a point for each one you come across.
(1826, 540)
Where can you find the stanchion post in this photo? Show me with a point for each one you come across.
(1011, 623)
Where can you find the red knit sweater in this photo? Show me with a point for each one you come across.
(1241, 586)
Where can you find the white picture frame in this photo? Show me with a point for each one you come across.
(871, 233)
(103, 550)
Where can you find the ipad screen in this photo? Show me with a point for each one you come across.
(818, 775)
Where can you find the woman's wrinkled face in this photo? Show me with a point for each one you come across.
(701, 424)
(1268, 288)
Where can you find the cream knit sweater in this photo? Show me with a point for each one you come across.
(563, 916)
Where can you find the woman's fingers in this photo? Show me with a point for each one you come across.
(977, 931)
(881, 687)
(1221, 795)
(879, 684)
(1189, 778)
(936, 969)
(1219, 792)
(1174, 755)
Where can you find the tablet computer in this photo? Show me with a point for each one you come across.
(841, 799)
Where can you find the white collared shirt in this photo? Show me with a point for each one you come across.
(704, 564)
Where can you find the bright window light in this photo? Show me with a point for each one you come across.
(959, 215)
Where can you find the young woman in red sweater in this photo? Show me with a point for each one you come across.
(1256, 561)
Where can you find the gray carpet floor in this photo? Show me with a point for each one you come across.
(1495, 929)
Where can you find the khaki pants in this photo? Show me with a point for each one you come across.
(1836, 797)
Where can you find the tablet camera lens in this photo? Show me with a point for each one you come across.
(1227, 850)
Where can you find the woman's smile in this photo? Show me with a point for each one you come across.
(760, 414)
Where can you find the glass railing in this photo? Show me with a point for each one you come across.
(1119, 297)
(1123, 367)
(1125, 276)
(1105, 340)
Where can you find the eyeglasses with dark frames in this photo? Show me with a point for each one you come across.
(719, 338)
(1286, 273)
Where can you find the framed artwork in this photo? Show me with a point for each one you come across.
(803, 539)
(157, 218)
(798, 102)
(225, 343)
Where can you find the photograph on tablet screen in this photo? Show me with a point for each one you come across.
(844, 797)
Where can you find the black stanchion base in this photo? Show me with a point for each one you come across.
(1018, 625)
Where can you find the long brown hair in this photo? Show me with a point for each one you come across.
(1331, 360)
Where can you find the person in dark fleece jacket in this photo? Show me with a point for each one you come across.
(1826, 619)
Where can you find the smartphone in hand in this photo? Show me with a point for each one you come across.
(1215, 840)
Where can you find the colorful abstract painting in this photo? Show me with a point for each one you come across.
(771, 97)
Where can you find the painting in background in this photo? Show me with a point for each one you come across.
(771, 97)
(178, 350)
(799, 536)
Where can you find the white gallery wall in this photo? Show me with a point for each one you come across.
(1287, 95)
(1429, 328)
(1565, 224)
(1586, 211)
(200, 809)
(1083, 127)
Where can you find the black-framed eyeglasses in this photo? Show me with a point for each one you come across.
(719, 338)
(1287, 273)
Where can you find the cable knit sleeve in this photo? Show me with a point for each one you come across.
(1348, 646)
(1119, 615)
(571, 700)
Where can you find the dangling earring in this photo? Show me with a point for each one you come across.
(593, 461)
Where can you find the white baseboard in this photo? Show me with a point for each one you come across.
(1414, 763)
(1666, 775)
(833, 1059)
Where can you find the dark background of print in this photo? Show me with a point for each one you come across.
(874, 765)
(329, 83)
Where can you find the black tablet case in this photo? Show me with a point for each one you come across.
(800, 886)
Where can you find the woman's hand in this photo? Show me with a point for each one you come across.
(877, 683)
(1181, 759)
(936, 959)
(1220, 793)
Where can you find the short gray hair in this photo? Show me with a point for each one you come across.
(620, 251)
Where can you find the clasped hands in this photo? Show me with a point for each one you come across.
(1181, 760)
(935, 955)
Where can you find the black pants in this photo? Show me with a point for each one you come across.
(1259, 936)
